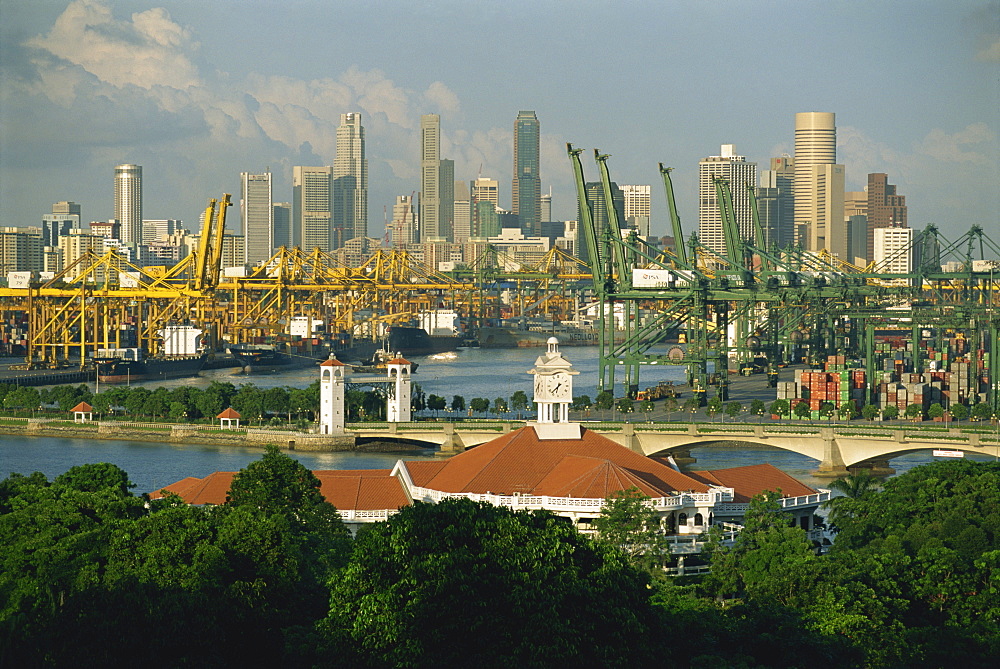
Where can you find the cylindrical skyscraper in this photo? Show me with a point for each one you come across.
(815, 144)
(128, 202)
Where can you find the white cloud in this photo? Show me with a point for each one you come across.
(442, 98)
(150, 50)
(957, 147)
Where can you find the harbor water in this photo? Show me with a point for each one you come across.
(470, 373)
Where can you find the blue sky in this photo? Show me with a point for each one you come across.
(197, 92)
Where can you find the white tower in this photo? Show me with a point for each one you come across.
(331, 396)
(553, 384)
(398, 409)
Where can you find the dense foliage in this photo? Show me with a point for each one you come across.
(93, 575)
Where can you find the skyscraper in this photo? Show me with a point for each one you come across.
(128, 202)
(257, 216)
(526, 186)
(739, 173)
(282, 225)
(885, 207)
(819, 188)
(637, 208)
(430, 176)
(65, 216)
(462, 225)
(350, 182)
(312, 207)
(403, 228)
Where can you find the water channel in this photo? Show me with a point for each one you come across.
(469, 372)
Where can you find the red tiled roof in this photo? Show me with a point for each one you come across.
(332, 362)
(753, 480)
(422, 471)
(399, 361)
(362, 489)
(82, 406)
(229, 413)
(519, 462)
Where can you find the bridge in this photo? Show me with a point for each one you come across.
(837, 447)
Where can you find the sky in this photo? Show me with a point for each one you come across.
(198, 91)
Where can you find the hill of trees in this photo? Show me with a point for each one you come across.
(92, 575)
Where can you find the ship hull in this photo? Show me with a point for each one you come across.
(415, 341)
(262, 359)
(125, 371)
(512, 338)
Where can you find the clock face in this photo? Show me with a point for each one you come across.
(557, 386)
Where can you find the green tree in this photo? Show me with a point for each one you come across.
(733, 409)
(851, 487)
(457, 403)
(581, 403)
(479, 405)
(779, 408)
(848, 410)
(935, 411)
(135, 401)
(436, 403)
(647, 406)
(500, 406)
(757, 408)
(605, 400)
(890, 412)
(670, 406)
(630, 524)
(625, 406)
(802, 409)
(461, 583)
(691, 405)
(958, 411)
(869, 411)
(519, 402)
(714, 407)
(914, 411)
(276, 401)
(981, 411)
(249, 402)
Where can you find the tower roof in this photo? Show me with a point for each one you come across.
(332, 362)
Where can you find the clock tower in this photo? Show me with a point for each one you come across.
(553, 384)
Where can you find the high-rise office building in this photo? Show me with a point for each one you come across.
(257, 216)
(462, 226)
(739, 173)
(547, 206)
(128, 202)
(312, 207)
(350, 182)
(885, 207)
(893, 251)
(434, 218)
(599, 213)
(65, 216)
(637, 199)
(156, 229)
(526, 186)
(819, 210)
(403, 228)
(282, 225)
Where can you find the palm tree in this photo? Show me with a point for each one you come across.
(851, 487)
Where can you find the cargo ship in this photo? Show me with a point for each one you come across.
(127, 365)
(260, 358)
(438, 332)
(182, 355)
(532, 334)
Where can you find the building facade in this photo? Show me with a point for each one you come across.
(128, 202)
(815, 145)
(257, 216)
(350, 181)
(739, 173)
(893, 252)
(437, 180)
(637, 201)
(282, 225)
(885, 208)
(312, 207)
(526, 186)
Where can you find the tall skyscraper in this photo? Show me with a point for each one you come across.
(350, 182)
(282, 225)
(776, 204)
(312, 207)
(128, 202)
(403, 228)
(637, 200)
(739, 173)
(526, 186)
(885, 207)
(430, 176)
(819, 188)
(257, 216)
(892, 251)
(547, 206)
(462, 226)
(599, 213)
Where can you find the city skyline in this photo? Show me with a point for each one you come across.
(195, 109)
